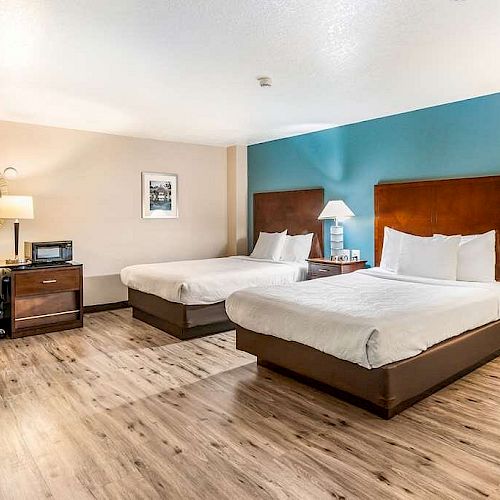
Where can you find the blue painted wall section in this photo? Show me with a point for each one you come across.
(461, 139)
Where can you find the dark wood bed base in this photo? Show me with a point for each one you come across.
(450, 206)
(296, 211)
(384, 391)
(180, 320)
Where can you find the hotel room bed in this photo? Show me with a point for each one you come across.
(208, 281)
(186, 298)
(380, 340)
(370, 317)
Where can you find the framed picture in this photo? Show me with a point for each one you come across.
(159, 196)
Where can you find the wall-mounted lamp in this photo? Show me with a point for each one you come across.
(10, 173)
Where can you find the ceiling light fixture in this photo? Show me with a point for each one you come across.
(265, 81)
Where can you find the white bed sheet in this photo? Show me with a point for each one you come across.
(209, 281)
(370, 317)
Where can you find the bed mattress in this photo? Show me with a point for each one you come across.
(208, 281)
(370, 317)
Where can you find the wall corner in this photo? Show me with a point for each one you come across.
(237, 200)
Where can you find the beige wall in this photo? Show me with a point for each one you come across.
(87, 188)
(237, 208)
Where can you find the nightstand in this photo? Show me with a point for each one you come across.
(43, 298)
(321, 268)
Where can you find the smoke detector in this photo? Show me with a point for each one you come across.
(265, 81)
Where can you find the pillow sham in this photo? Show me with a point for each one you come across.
(269, 246)
(390, 249)
(297, 248)
(477, 257)
(429, 257)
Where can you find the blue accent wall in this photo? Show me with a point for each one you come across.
(461, 139)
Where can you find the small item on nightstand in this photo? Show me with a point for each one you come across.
(48, 252)
(355, 255)
(343, 255)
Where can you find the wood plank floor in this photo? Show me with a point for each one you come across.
(119, 409)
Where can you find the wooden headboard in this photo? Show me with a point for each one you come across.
(450, 206)
(296, 211)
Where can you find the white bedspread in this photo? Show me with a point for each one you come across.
(210, 280)
(370, 317)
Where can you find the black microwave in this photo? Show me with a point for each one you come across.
(47, 252)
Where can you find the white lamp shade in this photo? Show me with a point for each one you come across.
(335, 209)
(16, 207)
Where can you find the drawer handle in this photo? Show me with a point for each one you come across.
(49, 315)
(45, 282)
(322, 270)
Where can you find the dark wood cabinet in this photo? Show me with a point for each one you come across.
(321, 268)
(45, 299)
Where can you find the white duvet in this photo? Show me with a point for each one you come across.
(209, 281)
(370, 317)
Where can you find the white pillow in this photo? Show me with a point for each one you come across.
(391, 249)
(477, 257)
(269, 246)
(297, 248)
(429, 257)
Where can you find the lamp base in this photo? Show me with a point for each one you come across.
(336, 240)
(17, 262)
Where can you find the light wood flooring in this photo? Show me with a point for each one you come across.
(119, 409)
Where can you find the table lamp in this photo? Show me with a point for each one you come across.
(336, 210)
(16, 207)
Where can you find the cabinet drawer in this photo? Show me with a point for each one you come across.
(47, 281)
(321, 270)
(45, 320)
(50, 304)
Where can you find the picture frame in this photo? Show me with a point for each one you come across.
(159, 195)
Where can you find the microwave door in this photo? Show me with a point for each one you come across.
(48, 253)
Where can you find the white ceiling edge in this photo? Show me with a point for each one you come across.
(403, 112)
(271, 137)
(172, 140)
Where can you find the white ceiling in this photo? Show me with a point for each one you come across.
(186, 69)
